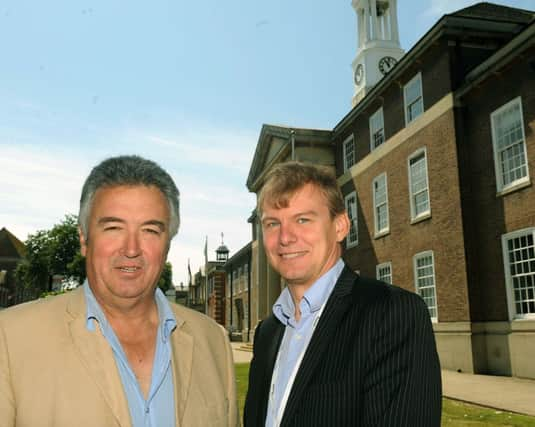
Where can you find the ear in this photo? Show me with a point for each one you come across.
(341, 223)
(83, 242)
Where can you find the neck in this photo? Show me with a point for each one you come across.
(132, 315)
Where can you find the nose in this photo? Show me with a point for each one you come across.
(131, 248)
(287, 235)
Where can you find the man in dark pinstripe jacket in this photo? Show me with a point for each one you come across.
(339, 349)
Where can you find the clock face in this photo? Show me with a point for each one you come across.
(386, 63)
(359, 74)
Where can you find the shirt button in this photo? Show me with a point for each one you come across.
(147, 410)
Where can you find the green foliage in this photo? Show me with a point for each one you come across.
(51, 294)
(49, 252)
(166, 279)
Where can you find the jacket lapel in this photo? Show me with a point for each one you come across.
(337, 305)
(97, 357)
(182, 360)
(272, 332)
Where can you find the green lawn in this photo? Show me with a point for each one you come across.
(454, 414)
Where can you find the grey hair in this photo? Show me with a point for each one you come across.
(129, 170)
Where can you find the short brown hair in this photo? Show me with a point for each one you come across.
(285, 179)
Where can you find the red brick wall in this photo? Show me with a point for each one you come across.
(490, 216)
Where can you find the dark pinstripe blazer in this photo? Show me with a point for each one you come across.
(372, 362)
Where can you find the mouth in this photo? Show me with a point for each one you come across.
(132, 269)
(292, 255)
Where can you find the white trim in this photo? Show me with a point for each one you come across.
(353, 219)
(427, 212)
(347, 165)
(434, 287)
(502, 188)
(508, 279)
(386, 229)
(418, 77)
(378, 113)
(381, 266)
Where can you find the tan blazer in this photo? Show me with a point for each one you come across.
(56, 373)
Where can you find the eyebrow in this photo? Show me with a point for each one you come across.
(304, 213)
(107, 219)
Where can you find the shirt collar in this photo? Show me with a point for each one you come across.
(314, 298)
(167, 320)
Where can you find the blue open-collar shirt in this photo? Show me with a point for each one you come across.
(158, 410)
(297, 334)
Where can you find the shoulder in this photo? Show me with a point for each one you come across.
(39, 309)
(374, 295)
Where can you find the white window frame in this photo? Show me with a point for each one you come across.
(349, 158)
(498, 167)
(381, 266)
(352, 239)
(433, 276)
(511, 299)
(427, 213)
(417, 79)
(386, 228)
(373, 131)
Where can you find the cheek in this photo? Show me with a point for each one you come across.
(270, 243)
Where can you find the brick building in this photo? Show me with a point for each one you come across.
(237, 302)
(435, 162)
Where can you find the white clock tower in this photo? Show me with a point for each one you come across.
(378, 43)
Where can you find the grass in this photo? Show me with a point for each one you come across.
(242, 378)
(454, 413)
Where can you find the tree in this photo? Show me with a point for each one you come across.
(166, 279)
(50, 252)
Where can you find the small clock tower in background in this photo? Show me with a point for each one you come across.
(378, 43)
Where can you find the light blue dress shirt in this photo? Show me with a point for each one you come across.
(158, 410)
(297, 334)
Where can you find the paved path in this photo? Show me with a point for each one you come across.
(503, 393)
(240, 356)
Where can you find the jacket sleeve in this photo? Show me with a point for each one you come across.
(402, 386)
(7, 399)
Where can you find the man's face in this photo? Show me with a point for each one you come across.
(127, 243)
(301, 240)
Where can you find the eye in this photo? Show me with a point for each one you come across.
(112, 228)
(302, 220)
(154, 231)
(270, 224)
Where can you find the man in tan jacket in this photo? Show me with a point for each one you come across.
(114, 352)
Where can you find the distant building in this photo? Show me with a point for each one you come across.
(215, 284)
(12, 251)
(435, 161)
(197, 293)
(237, 299)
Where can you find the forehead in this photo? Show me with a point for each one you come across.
(309, 197)
(130, 200)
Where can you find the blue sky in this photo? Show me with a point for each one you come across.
(186, 83)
